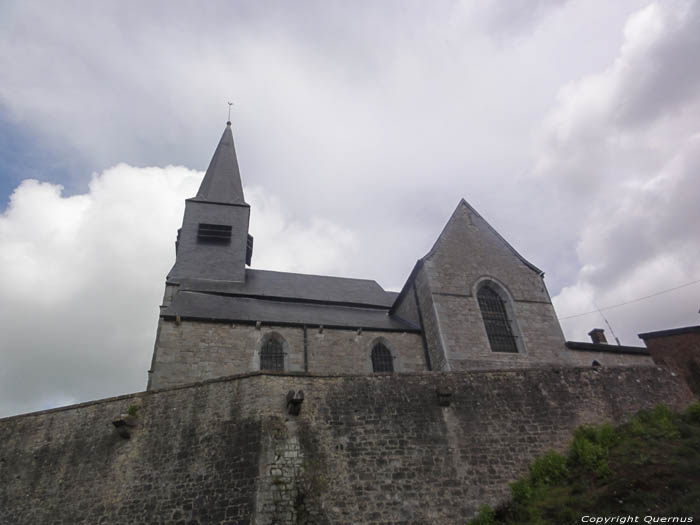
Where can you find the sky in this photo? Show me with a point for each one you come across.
(573, 127)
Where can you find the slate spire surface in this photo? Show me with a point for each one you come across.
(222, 181)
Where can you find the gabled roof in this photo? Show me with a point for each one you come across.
(420, 261)
(222, 181)
(464, 203)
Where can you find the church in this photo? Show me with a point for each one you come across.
(284, 398)
(472, 302)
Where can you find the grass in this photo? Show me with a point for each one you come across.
(649, 466)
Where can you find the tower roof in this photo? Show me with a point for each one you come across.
(222, 181)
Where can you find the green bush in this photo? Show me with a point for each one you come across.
(590, 448)
(659, 422)
(549, 468)
(692, 413)
(486, 516)
(522, 491)
(651, 462)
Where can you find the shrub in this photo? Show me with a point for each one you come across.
(548, 469)
(692, 413)
(485, 516)
(590, 448)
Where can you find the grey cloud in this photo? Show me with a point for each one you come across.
(659, 79)
(367, 123)
(636, 211)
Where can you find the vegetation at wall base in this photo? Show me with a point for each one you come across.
(649, 466)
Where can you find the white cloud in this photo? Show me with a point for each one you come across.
(369, 126)
(623, 150)
(81, 278)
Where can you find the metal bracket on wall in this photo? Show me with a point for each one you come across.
(294, 401)
(444, 396)
(123, 424)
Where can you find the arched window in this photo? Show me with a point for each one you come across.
(272, 354)
(498, 329)
(382, 360)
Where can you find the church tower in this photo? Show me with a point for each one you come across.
(214, 243)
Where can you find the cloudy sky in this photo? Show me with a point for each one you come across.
(572, 126)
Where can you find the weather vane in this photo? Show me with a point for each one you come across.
(229, 111)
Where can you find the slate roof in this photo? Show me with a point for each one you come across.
(298, 287)
(222, 181)
(208, 306)
(288, 298)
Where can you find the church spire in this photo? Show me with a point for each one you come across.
(222, 181)
(214, 242)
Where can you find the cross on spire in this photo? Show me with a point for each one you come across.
(228, 122)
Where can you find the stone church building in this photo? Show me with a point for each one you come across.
(472, 302)
(283, 398)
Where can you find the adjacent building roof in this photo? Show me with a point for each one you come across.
(602, 347)
(670, 331)
(222, 181)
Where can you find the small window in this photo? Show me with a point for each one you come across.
(214, 233)
(272, 355)
(496, 322)
(382, 360)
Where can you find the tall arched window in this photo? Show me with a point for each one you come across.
(498, 328)
(382, 361)
(272, 354)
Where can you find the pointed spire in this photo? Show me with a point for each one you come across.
(222, 181)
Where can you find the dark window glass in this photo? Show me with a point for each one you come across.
(214, 233)
(493, 310)
(381, 359)
(272, 355)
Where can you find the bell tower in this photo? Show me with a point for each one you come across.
(214, 243)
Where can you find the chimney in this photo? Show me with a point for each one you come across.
(598, 336)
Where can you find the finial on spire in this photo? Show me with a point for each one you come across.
(228, 122)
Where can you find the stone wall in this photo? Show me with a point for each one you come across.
(468, 252)
(364, 449)
(195, 351)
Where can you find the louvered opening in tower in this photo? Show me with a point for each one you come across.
(214, 233)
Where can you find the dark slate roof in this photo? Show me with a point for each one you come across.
(222, 181)
(213, 307)
(671, 331)
(602, 347)
(298, 287)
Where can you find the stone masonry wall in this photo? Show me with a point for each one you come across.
(364, 449)
(195, 351)
(469, 251)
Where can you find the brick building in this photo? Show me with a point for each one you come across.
(678, 349)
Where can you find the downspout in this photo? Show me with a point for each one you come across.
(306, 351)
